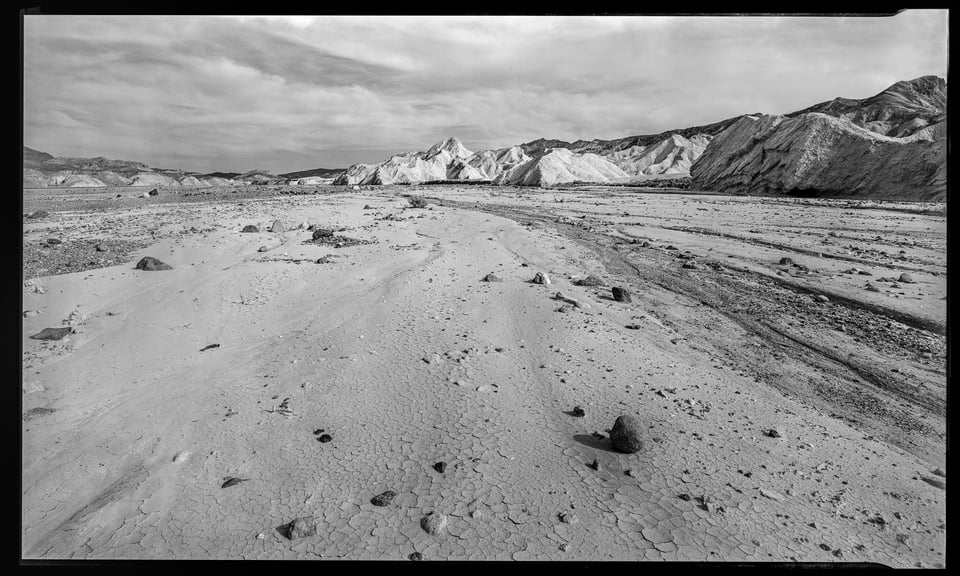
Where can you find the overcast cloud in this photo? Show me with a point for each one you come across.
(237, 93)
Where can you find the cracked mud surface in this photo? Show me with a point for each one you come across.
(400, 354)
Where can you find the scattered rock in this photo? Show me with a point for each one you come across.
(232, 481)
(39, 214)
(250, 228)
(872, 288)
(491, 277)
(595, 465)
(383, 499)
(53, 241)
(691, 265)
(568, 518)
(262, 249)
(935, 482)
(414, 556)
(906, 278)
(325, 438)
(590, 280)
(151, 264)
(30, 313)
(565, 546)
(209, 347)
(786, 261)
(100, 247)
(821, 298)
(433, 523)
(367, 207)
(572, 301)
(621, 294)
(299, 528)
(52, 333)
(440, 467)
(541, 278)
(181, 457)
(578, 412)
(319, 233)
(36, 413)
(940, 472)
(632, 326)
(625, 435)
(771, 433)
(305, 225)
(684, 497)
(153, 192)
(278, 227)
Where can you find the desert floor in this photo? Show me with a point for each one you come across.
(777, 425)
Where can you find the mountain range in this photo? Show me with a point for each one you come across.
(891, 145)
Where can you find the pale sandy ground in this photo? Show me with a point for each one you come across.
(392, 348)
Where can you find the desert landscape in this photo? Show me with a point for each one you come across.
(721, 343)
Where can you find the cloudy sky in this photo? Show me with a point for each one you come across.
(293, 93)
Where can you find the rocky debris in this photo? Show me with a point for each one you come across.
(872, 288)
(771, 433)
(367, 207)
(37, 413)
(541, 278)
(328, 237)
(151, 264)
(578, 412)
(38, 214)
(153, 192)
(384, 498)
(821, 298)
(491, 277)
(590, 280)
(278, 227)
(100, 247)
(572, 301)
(786, 261)
(625, 435)
(324, 438)
(319, 233)
(433, 523)
(302, 527)
(250, 228)
(52, 333)
(209, 347)
(415, 556)
(53, 241)
(684, 497)
(621, 294)
(30, 313)
(75, 320)
(906, 278)
(232, 481)
(595, 465)
(262, 249)
(691, 265)
(440, 467)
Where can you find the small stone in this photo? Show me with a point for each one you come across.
(54, 241)
(154, 192)
(578, 412)
(621, 294)
(325, 438)
(250, 228)
(872, 288)
(29, 313)
(684, 497)
(383, 498)
(786, 261)
(440, 467)
(564, 547)
(771, 433)
(278, 227)
(771, 495)
(52, 333)
(322, 233)
(690, 265)
(262, 249)
(299, 528)
(433, 523)
(414, 556)
(590, 280)
(628, 472)
(595, 465)
(625, 435)
(940, 472)
(568, 518)
(491, 277)
(100, 247)
(821, 298)
(39, 214)
(541, 278)
(906, 278)
(151, 264)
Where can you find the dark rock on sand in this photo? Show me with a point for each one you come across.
(621, 294)
(151, 264)
(322, 233)
(440, 467)
(250, 228)
(578, 412)
(590, 280)
(39, 214)
(491, 277)
(52, 333)
(278, 227)
(299, 528)
(625, 435)
(384, 498)
(154, 192)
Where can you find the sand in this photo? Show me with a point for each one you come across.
(399, 352)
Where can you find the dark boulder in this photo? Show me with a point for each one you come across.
(625, 435)
(250, 228)
(151, 264)
(621, 294)
(52, 333)
(299, 528)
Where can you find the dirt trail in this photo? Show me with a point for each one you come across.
(403, 356)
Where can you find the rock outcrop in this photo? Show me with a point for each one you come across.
(674, 156)
(561, 166)
(819, 155)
